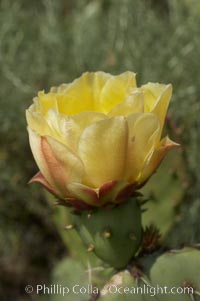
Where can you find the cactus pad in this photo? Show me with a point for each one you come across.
(114, 234)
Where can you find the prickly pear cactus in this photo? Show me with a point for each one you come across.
(114, 234)
(174, 275)
(179, 269)
(165, 198)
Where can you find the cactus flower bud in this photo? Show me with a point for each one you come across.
(98, 139)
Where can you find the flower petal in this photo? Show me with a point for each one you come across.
(161, 105)
(154, 159)
(102, 148)
(134, 103)
(156, 99)
(143, 133)
(37, 122)
(152, 92)
(39, 178)
(115, 192)
(71, 165)
(35, 144)
(46, 101)
(83, 193)
(72, 127)
(116, 89)
(55, 161)
(99, 81)
(77, 97)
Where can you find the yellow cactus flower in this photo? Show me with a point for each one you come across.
(98, 139)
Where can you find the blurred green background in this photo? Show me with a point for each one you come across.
(46, 43)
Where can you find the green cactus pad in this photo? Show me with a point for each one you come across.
(165, 193)
(157, 275)
(114, 234)
(178, 269)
